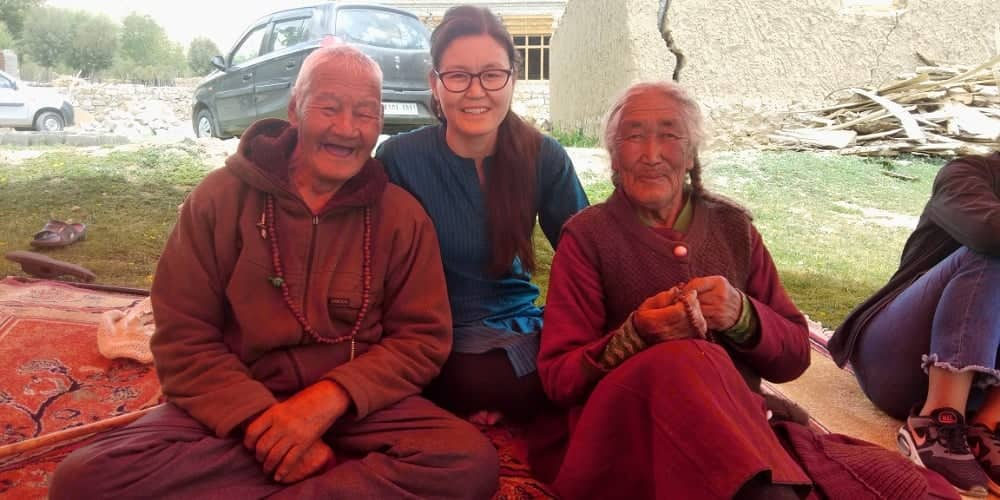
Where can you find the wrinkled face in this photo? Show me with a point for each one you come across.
(339, 117)
(475, 112)
(652, 152)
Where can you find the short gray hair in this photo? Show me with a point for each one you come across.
(349, 60)
(690, 112)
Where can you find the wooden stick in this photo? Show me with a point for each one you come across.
(878, 115)
(72, 433)
(903, 84)
(890, 173)
(877, 135)
(910, 126)
(964, 76)
(89, 286)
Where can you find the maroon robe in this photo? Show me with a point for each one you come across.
(676, 420)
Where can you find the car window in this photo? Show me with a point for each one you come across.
(249, 48)
(289, 32)
(381, 28)
(6, 83)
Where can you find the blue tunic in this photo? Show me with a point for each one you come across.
(489, 313)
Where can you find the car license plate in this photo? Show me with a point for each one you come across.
(400, 108)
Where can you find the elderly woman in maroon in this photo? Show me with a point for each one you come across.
(664, 310)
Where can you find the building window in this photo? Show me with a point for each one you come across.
(534, 53)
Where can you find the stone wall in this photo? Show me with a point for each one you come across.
(130, 110)
(531, 102)
(754, 54)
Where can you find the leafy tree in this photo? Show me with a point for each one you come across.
(200, 54)
(95, 41)
(143, 41)
(146, 55)
(47, 35)
(162, 72)
(14, 12)
(6, 39)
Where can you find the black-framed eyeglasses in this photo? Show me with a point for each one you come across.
(460, 81)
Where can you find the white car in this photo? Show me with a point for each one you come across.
(38, 108)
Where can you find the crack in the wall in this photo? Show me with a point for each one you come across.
(885, 45)
(678, 55)
(668, 38)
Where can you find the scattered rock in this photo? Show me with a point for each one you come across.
(130, 110)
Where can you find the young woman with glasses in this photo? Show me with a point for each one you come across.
(484, 176)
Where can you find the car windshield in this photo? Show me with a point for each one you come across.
(382, 28)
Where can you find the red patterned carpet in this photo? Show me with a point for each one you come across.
(53, 380)
(55, 388)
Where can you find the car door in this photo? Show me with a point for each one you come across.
(14, 110)
(279, 66)
(234, 100)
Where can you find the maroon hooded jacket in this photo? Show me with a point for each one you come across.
(227, 346)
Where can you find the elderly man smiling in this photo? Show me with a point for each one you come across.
(300, 307)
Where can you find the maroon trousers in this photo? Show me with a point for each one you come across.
(472, 382)
(411, 450)
(674, 421)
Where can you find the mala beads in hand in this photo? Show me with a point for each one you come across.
(692, 308)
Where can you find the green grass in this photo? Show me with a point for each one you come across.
(128, 199)
(575, 138)
(814, 211)
(811, 211)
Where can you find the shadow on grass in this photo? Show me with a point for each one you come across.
(825, 298)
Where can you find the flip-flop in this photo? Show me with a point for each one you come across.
(43, 266)
(59, 234)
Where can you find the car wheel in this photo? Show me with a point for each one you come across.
(49, 121)
(204, 125)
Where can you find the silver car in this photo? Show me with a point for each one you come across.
(254, 79)
(32, 108)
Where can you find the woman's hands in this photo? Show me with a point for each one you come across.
(669, 315)
(720, 302)
(688, 310)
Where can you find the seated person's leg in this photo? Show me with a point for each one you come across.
(412, 449)
(165, 454)
(469, 383)
(676, 420)
(933, 317)
(940, 324)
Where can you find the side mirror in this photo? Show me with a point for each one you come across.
(219, 62)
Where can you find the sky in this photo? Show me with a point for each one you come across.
(219, 20)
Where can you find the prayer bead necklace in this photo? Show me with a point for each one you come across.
(278, 280)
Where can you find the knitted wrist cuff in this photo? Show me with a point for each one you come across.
(746, 326)
(624, 342)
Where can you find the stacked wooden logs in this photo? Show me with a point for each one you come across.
(937, 110)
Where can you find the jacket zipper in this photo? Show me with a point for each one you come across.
(295, 368)
(309, 264)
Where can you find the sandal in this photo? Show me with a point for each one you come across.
(59, 234)
(43, 266)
